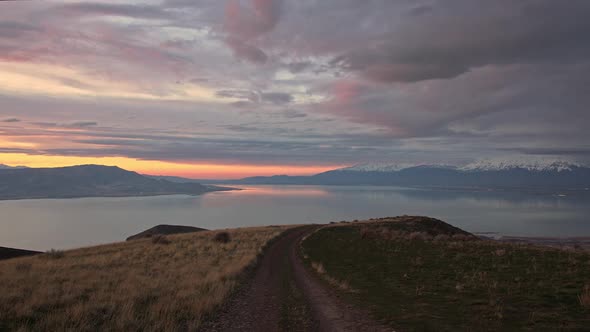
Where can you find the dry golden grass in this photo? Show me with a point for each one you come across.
(138, 285)
(584, 298)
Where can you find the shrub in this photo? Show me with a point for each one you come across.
(499, 252)
(23, 267)
(318, 267)
(417, 236)
(160, 239)
(222, 237)
(55, 254)
(441, 238)
(584, 298)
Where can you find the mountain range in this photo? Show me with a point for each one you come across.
(2, 166)
(88, 181)
(480, 174)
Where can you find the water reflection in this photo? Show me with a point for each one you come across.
(44, 224)
(293, 191)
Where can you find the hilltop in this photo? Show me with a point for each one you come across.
(165, 230)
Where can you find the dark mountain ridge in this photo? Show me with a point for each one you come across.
(574, 177)
(88, 181)
(8, 253)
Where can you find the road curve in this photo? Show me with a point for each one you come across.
(284, 296)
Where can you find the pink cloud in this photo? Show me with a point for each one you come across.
(245, 22)
(353, 100)
(249, 21)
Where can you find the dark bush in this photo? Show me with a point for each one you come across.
(160, 239)
(222, 237)
(55, 254)
(23, 267)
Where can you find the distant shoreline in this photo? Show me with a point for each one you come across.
(217, 189)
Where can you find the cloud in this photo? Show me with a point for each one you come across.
(246, 51)
(10, 120)
(238, 94)
(10, 29)
(293, 114)
(245, 21)
(75, 124)
(551, 151)
(110, 9)
(250, 19)
(456, 38)
(425, 79)
(277, 98)
(82, 124)
(520, 102)
(298, 67)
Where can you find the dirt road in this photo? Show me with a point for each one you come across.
(284, 296)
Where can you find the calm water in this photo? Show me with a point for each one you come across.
(45, 224)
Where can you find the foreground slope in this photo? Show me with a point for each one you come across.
(87, 181)
(417, 273)
(403, 274)
(165, 284)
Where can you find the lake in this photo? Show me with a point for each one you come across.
(71, 223)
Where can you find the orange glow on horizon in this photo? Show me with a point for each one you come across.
(156, 167)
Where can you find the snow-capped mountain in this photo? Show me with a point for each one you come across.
(490, 173)
(483, 165)
(530, 164)
(376, 167)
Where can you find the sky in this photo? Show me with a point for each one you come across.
(234, 88)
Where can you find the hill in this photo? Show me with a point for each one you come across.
(2, 166)
(421, 274)
(165, 230)
(7, 253)
(88, 181)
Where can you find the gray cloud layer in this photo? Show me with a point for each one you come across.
(307, 81)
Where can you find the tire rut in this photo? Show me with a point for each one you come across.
(284, 296)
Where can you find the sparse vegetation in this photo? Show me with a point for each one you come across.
(422, 274)
(584, 297)
(127, 286)
(222, 237)
(319, 269)
(160, 239)
(55, 254)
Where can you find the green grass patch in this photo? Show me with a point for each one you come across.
(413, 280)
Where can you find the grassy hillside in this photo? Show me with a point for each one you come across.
(422, 274)
(163, 283)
